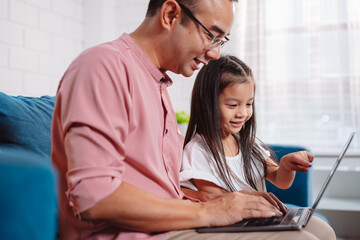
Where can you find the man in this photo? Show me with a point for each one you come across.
(114, 135)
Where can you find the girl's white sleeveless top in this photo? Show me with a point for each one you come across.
(198, 163)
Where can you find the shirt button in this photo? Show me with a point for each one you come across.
(166, 131)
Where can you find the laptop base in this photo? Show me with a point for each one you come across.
(294, 219)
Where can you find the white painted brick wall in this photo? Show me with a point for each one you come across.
(51, 22)
(11, 33)
(3, 55)
(11, 81)
(44, 4)
(64, 7)
(3, 9)
(23, 13)
(23, 60)
(63, 46)
(130, 14)
(50, 63)
(38, 40)
(36, 84)
(73, 29)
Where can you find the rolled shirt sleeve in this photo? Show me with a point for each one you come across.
(94, 129)
(92, 182)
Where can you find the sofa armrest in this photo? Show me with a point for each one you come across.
(28, 203)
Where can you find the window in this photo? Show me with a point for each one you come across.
(305, 55)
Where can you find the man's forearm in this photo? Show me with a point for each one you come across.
(134, 209)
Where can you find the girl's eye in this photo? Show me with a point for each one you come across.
(249, 104)
(232, 105)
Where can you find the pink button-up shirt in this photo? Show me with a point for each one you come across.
(113, 121)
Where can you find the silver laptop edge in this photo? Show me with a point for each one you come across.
(332, 172)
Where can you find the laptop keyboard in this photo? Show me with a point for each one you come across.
(291, 217)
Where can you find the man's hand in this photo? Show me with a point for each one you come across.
(270, 197)
(209, 191)
(237, 206)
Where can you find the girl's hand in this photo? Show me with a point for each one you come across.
(297, 161)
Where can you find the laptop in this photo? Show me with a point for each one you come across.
(294, 219)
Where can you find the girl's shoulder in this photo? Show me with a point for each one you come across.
(196, 143)
(262, 148)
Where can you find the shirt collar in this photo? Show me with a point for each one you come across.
(153, 70)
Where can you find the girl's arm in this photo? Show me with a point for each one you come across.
(207, 191)
(283, 176)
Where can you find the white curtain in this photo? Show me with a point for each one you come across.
(305, 55)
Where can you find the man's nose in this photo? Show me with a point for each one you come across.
(214, 53)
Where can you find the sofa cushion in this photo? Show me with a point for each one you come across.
(26, 122)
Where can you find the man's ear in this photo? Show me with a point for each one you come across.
(170, 12)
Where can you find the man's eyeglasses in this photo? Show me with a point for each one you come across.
(215, 42)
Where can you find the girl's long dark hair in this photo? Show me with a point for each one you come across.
(205, 117)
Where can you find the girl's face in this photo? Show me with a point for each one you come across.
(236, 107)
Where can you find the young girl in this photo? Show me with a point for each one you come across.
(221, 151)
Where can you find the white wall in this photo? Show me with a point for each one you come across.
(38, 39)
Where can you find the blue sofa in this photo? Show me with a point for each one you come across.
(300, 193)
(28, 203)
